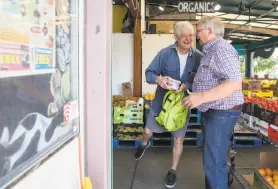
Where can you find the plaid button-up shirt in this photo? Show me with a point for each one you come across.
(220, 63)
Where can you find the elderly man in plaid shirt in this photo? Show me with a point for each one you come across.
(217, 93)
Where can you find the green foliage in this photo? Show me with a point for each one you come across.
(242, 64)
(261, 65)
(265, 65)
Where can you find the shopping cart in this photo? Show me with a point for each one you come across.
(232, 164)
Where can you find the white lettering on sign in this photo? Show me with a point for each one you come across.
(193, 6)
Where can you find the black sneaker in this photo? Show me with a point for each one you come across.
(170, 180)
(140, 151)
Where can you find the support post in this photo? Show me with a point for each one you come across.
(137, 69)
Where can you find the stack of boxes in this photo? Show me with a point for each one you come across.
(259, 117)
(274, 87)
(128, 119)
(254, 88)
(266, 176)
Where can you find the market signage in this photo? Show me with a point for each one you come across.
(196, 6)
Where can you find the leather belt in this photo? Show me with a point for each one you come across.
(238, 107)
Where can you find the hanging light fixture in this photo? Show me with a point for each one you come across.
(161, 7)
(217, 7)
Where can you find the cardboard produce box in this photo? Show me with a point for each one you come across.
(126, 87)
(273, 132)
(248, 108)
(128, 115)
(255, 124)
(133, 114)
(269, 116)
(266, 177)
(247, 120)
(263, 127)
(257, 111)
(252, 85)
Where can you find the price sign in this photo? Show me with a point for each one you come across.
(43, 58)
(9, 58)
(14, 57)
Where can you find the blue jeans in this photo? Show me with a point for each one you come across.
(218, 126)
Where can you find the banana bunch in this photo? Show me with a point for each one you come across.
(139, 137)
(119, 104)
(140, 129)
(132, 98)
(117, 98)
(125, 137)
(124, 129)
(63, 18)
(121, 101)
(149, 96)
(128, 137)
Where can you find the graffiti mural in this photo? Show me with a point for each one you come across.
(39, 112)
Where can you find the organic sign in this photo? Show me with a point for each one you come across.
(195, 6)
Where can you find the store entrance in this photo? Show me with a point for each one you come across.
(141, 29)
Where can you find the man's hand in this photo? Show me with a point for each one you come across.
(193, 100)
(182, 88)
(164, 82)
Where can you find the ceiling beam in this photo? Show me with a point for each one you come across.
(233, 26)
(253, 29)
(262, 44)
(253, 12)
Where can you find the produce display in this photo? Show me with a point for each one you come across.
(268, 104)
(268, 83)
(121, 101)
(271, 176)
(260, 88)
(126, 129)
(148, 96)
(129, 137)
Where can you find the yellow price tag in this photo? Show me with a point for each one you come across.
(9, 59)
(42, 59)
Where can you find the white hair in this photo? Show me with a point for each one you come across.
(214, 23)
(182, 26)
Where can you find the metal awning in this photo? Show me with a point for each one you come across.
(246, 20)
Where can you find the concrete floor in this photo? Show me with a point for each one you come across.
(153, 167)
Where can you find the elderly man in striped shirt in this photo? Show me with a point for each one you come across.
(217, 93)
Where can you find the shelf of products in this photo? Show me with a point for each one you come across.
(269, 140)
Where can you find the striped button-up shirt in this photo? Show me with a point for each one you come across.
(220, 63)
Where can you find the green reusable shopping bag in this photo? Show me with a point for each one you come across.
(173, 114)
